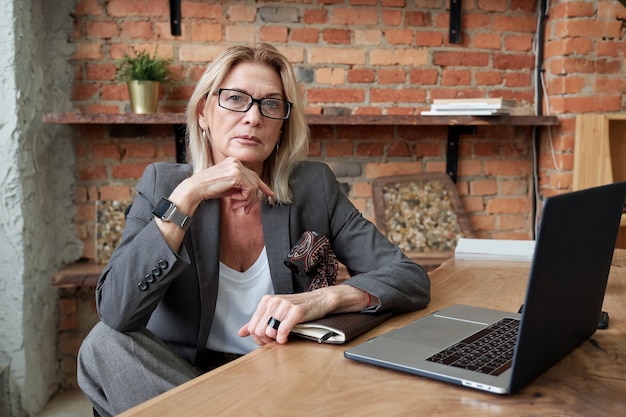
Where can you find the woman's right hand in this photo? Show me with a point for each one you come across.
(229, 178)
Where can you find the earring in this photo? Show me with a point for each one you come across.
(277, 146)
(203, 136)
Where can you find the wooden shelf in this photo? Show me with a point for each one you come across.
(79, 274)
(313, 119)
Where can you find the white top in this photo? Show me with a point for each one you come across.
(238, 295)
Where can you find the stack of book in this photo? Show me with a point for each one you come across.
(470, 107)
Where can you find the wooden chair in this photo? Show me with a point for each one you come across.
(422, 214)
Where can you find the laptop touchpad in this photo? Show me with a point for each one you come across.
(437, 332)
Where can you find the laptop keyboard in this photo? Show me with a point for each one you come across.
(490, 351)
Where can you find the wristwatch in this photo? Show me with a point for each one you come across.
(167, 211)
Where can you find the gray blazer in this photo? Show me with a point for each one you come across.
(146, 284)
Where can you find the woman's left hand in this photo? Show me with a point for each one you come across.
(291, 309)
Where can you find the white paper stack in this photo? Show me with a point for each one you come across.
(495, 249)
(470, 107)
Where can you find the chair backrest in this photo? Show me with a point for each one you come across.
(422, 214)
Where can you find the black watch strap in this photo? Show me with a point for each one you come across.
(167, 211)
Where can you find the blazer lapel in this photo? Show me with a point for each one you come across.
(276, 233)
(205, 241)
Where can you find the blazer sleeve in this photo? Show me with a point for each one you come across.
(143, 265)
(374, 263)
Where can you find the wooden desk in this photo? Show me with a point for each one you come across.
(303, 378)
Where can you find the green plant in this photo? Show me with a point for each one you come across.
(142, 66)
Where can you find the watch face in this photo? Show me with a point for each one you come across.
(162, 208)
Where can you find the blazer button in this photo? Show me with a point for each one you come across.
(156, 271)
(143, 285)
(149, 278)
(163, 264)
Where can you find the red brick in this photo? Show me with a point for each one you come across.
(88, 7)
(513, 61)
(391, 17)
(362, 190)
(424, 76)
(488, 77)
(428, 38)
(484, 187)
(456, 77)
(336, 149)
(391, 76)
(392, 3)
(514, 24)
(370, 149)
(115, 192)
(335, 95)
(336, 56)
(415, 19)
(364, 131)
(482, 222)
(137, 30)
(372, 111)
(128, 170)
(375, 170)
(313, 17)
(238, 13)
(273, 34)
(86, 50)
(399, 36)
(354, 16)
(304, 35)
(473, 204)
(609, 85)
(139, 150)
(336, 36)
(392, 95)
(315, 149)
(206, 31)
(518, 43)
(508, 205)
(101, 30)
(467, 59)
(100, 72)
(566, 85)
(92, 172)
(572, 9)
(153, 8)
(517, 79)
(505, 168)
(587, 104)
(470, 167)
(428, 150)
(105, 151)
(513, 187)
(361, 75)
(513, 222)
(588, 28)
(487, 41)
(397, 149)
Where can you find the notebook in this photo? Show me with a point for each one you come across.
(564, 295)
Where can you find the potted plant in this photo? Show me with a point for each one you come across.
(143, 74)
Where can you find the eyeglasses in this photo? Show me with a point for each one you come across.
(235, 100)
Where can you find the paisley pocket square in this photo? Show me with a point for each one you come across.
(313, 256)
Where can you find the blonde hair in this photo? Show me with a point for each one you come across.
(293, 143)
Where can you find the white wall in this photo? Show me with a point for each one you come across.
(37, 234)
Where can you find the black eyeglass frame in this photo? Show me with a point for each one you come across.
(253, 100)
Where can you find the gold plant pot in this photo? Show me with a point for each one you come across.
(144, 96)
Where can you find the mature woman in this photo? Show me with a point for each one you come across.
(199, 276)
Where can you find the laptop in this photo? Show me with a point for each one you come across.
(564, 295)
